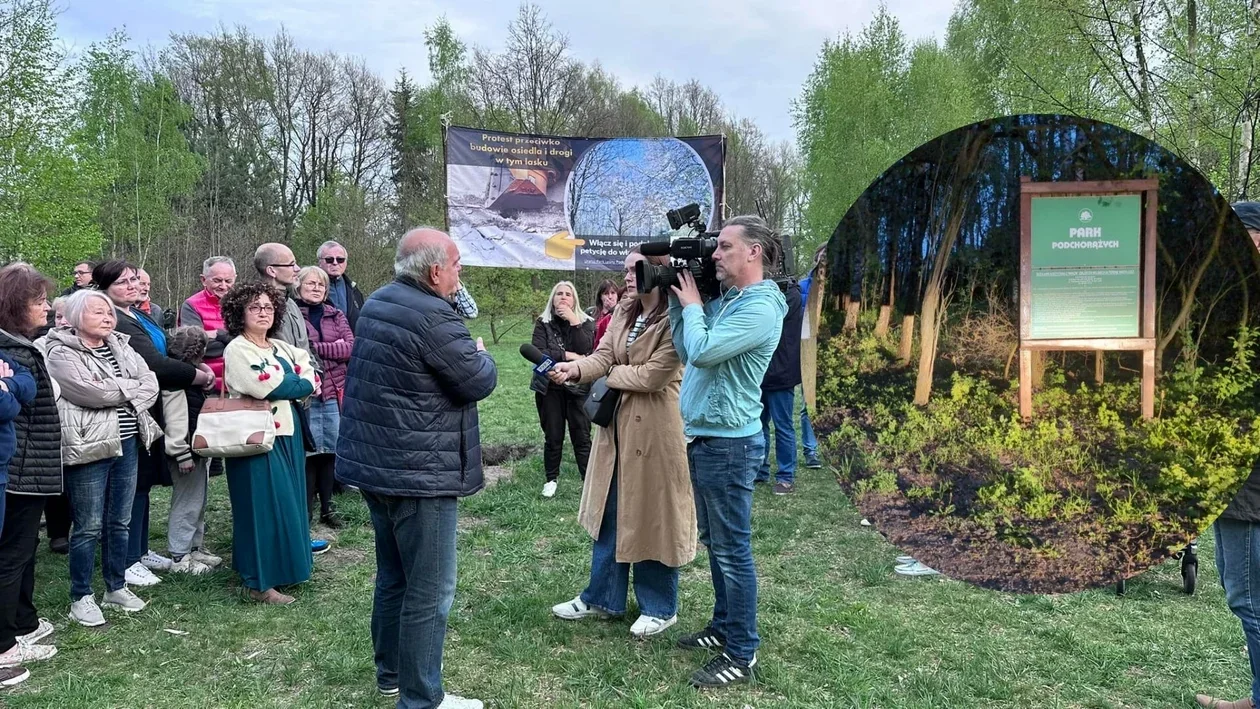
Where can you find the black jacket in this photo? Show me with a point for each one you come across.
(785, 366)
(409, 425)
(558, 336)
(1245, 506)
(354, 300)
(35, 468)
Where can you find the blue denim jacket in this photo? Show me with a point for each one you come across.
(725, 348)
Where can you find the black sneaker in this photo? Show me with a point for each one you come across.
(388, 691)
(813, 462)
(783, 488)
(723, 670)
(707, 639)
(15, 675)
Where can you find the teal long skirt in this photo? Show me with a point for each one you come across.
(271, 536)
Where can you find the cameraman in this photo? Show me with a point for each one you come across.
(725, 346)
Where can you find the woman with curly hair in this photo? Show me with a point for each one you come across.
(270, 530)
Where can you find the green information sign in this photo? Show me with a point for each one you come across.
(1085, 267)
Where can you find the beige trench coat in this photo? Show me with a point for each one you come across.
(656, 513)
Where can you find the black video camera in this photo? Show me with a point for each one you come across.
(693, 254)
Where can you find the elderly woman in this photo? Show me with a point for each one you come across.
(270, 530)
(120, 281)
(565, 333)
(33, 472)
(331, 338)
(106, 393)
(637, 503)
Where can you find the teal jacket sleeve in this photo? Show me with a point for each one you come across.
(676, 328)
(738, 331)
(291, 387)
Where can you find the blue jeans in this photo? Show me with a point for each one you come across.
(808, 442)
(1238, 562)
(778, 406)
(415, 587)
(722, 471)
(655, 584)
(101, 494)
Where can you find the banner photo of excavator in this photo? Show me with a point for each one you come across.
(543, 202)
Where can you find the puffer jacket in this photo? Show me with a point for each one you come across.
(91, 394)
(35, 468)
(333, 342)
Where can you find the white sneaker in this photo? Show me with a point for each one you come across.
(916, 569)
(155, 561)
(576, 609)
(44, 630)
(206, 558)
(138, 575)
(549, 490)
(189, 565)
(85, 612)
(124, 599)
(647, 625)
(450, 701)
(21, 654)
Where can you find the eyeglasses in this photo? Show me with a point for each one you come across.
(291, 264)
(82, 273)
(260, 309)
(334, 259)
(315, 284)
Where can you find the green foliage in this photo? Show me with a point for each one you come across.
(505, 298)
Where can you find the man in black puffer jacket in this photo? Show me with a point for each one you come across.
(409, 441)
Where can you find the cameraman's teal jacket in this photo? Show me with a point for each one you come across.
(725, 349)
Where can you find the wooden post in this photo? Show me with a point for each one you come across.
(881, 325)
(851, 316)
(809, 346)
(1038, 369)
(1025, 383)
(1099, 357)
(907, 339)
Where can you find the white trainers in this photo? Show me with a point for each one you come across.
(189, 565)
(124, 599)
(85, 612)
(451, 701)
(139, 575)
(44, 630)
(576, 609)
(21, 654)
(206, 558)
(916, 569)
(155, 561)
(647, 626)
(549, 489)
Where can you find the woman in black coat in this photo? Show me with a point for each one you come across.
(565, 333)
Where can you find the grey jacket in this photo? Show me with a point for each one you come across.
(90, 394)
(293, 331)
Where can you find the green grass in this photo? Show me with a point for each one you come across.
(838, 627)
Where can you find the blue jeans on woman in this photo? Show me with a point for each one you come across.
(1238, 562)
(655, 584)
(101, 495)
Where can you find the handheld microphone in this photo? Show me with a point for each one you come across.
(654, 248)
(543, 364)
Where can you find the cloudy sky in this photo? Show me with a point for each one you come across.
(755, 53)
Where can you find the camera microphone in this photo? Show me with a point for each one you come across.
(543, 364)
(654, 248)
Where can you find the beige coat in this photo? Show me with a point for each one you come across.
(656, 513)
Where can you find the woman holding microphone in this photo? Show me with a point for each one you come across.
(637, 502)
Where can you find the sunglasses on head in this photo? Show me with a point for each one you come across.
(334, 259)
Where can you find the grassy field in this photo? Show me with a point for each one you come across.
(838, 627)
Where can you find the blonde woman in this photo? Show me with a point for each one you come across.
(565, 333)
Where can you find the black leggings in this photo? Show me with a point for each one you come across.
(557, 408)
(319, 479)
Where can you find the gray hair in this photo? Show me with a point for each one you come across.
(308, 270)
(319, 253)
(419, 262)
(756, 232)
(76, 305)
(214, 261)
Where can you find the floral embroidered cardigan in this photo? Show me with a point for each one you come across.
(253, 371)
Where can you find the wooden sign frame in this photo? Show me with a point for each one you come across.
(1148, 190)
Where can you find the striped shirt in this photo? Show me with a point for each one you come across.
(126, 420)
(635, 330)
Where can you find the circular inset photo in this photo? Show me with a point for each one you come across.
(625, 186)
(1037, 365)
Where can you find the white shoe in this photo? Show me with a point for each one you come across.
(647, 625)
(865, 522)
(451, 701)
(138, 575)
(916, 569)
(85, 612)
(549, 490)
(124, 599)
(21, 654)
(206, 558)
(576, 609)
(904, 560)
(189, 565)
(44, 630)
(155, 561)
